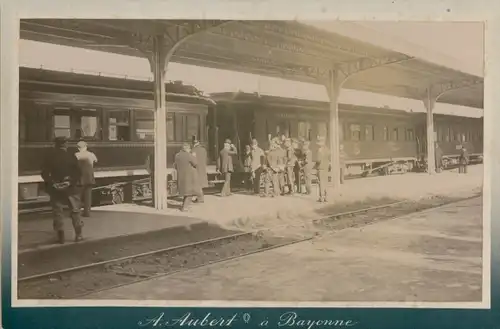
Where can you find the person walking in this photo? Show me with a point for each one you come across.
(61, 175)
(225, 165)
(86, 161)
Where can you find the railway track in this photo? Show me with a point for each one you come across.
(80, 281)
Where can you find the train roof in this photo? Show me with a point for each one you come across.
(287, 102)
(175, 90)
(277, 101)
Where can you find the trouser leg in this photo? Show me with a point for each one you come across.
(186, 202)
(275, 177)
(74, 203)
(290, 179)
(256, 181)
(87, 199)
(322, 182)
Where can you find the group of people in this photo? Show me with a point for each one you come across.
(287, 165)
(69, 178)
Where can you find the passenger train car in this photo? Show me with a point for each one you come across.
(115, 117)
(370, 138)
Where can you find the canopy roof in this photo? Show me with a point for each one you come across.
(284, 49)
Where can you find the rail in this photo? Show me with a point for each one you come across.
(136, 277)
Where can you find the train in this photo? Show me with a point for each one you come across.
(115, 116)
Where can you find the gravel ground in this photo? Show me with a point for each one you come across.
(78, 283)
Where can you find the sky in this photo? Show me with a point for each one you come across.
(458, 45)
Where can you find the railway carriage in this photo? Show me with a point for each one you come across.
(115, 116)
(372, 139)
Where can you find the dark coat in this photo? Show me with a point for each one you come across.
(201, 158)
(225, 160)
(60, 166)
(464, 156)
(187, 182)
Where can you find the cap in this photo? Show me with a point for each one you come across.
(81, 144)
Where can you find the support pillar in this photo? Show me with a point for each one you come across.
(429, 102)
(334, 85)
(159, 61)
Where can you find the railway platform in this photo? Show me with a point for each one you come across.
(246, 212)
(430, 256)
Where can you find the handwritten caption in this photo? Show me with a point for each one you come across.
(285, 320)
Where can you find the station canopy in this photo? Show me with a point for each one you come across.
(283, 49)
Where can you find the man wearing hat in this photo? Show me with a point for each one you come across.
(273, 163)
(86, 161)
(290, 161)
(225, 165)
(61, 174)
(201, 157)
(322, 166)
(187, 185)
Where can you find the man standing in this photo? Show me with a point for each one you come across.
(86, 161)
(463, 160)
(291, 160)
(258, 160)
(307, 166)
(280, 149)
(273, 163)
(322, 166)
(201, 157)
(61, 175)
(225, 165)
(187, 185)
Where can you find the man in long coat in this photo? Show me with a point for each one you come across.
(463, 160)
(187, 185)
(225, 165)
(61, 175)
(322, 166)
(201, 157)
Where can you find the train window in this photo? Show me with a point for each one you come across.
(410, 134)
(395, 134)
(144, 125)
(304, 130)
(119, 125)
(87, 127)
(62, 126)
(369, 133)
(386, 133)
(192, 126)
(355, 132)
(448, 135)
(341, 132)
